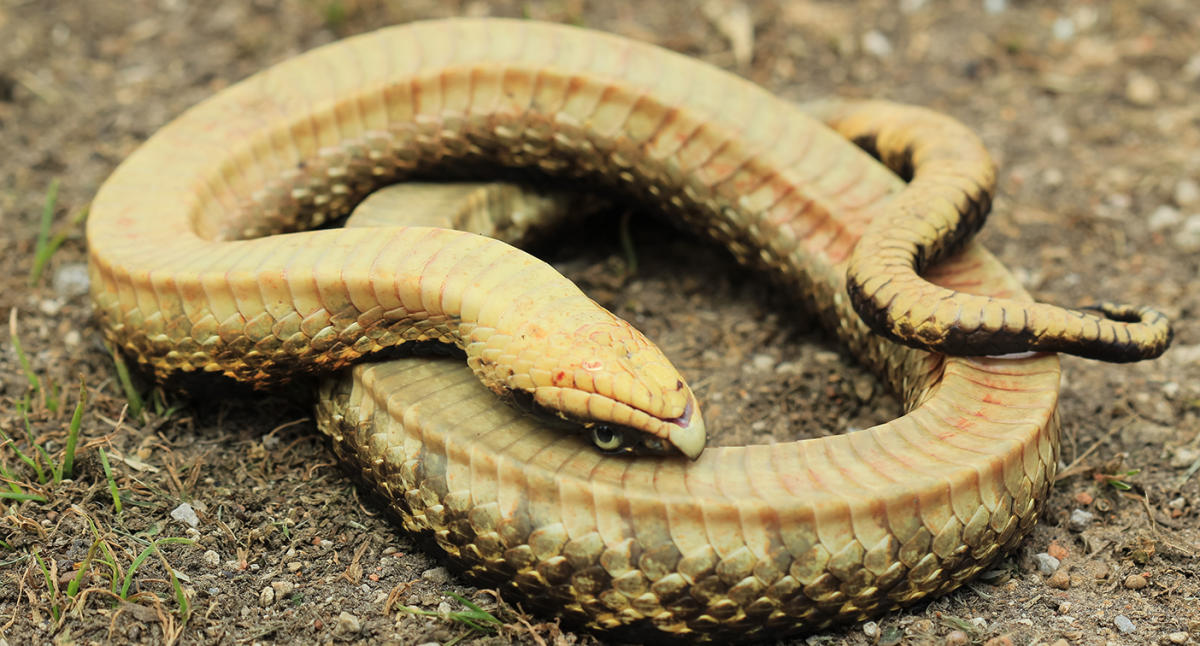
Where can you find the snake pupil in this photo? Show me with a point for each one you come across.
(606, 438)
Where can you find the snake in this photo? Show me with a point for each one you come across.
(211, 251)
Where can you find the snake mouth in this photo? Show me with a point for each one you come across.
(687, 432)
(638, 431)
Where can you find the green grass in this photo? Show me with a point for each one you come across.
(136, 404)
(474, 617)
(112, 483)
(46, 244)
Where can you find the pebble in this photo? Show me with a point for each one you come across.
(1135, 582)
(1178, 637)
(1060, 580)
(436, 575)
(1164, 217)
(266, 597)
(1184, 457)
(1057, 551)
(1123, 624)
(347, 624)
(957, 638)
(1080, 519)
(1187, 238)
(762, 363)
(871, 630)
(876, 44)
(1192, 68)
(185, 514)
(1187, 192)
(1141, 90)
(71, 280)
(979, 623)
(1063, 28)
(1002, 640)
(283, 588)
(1046, 564)
(211, 558)
(995, 6)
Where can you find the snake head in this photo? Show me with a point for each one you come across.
(604, 376)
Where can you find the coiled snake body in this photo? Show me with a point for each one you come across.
(743, 542)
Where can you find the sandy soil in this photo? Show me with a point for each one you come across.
(1092, 110)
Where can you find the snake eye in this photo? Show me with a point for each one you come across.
(606, 438)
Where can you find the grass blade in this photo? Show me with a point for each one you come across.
(30, 376)
(40, 257)
(112, 483)
(131, 394)
(67, 468)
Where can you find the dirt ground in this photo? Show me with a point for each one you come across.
(1092, 110)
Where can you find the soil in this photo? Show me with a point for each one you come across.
(1091, 109)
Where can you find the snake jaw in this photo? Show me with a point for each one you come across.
(688, 433)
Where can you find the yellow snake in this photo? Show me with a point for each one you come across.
(743, 542)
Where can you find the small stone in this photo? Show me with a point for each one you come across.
(211, 558)
(871, 630)
(1187, 238)
(1080, 519)
(1057, 551)
(1053, 177)
(1164, 217)
(1187, 192)
(1046, 564)
(1064, 607)
(979, 623)
(1135, 582)
(1063, 28)
(436, 575)
(1084, 498)
(1184, 457)
(185, 514)
(1060, 580)
(762, 363)
(995, 6)
(1141, 90)
(1123, 624)
(957, 638)
(876, 44)
(347, 624)
(1178, 637)
(71, 280)
(294, 566)
(266, 597)
(1058, 135)
(1191, 69)
(1002, 640)
(1177, 504)
(283, 588)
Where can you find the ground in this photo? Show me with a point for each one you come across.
(1092, 110)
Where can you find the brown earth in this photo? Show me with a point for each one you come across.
(1091, 109)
